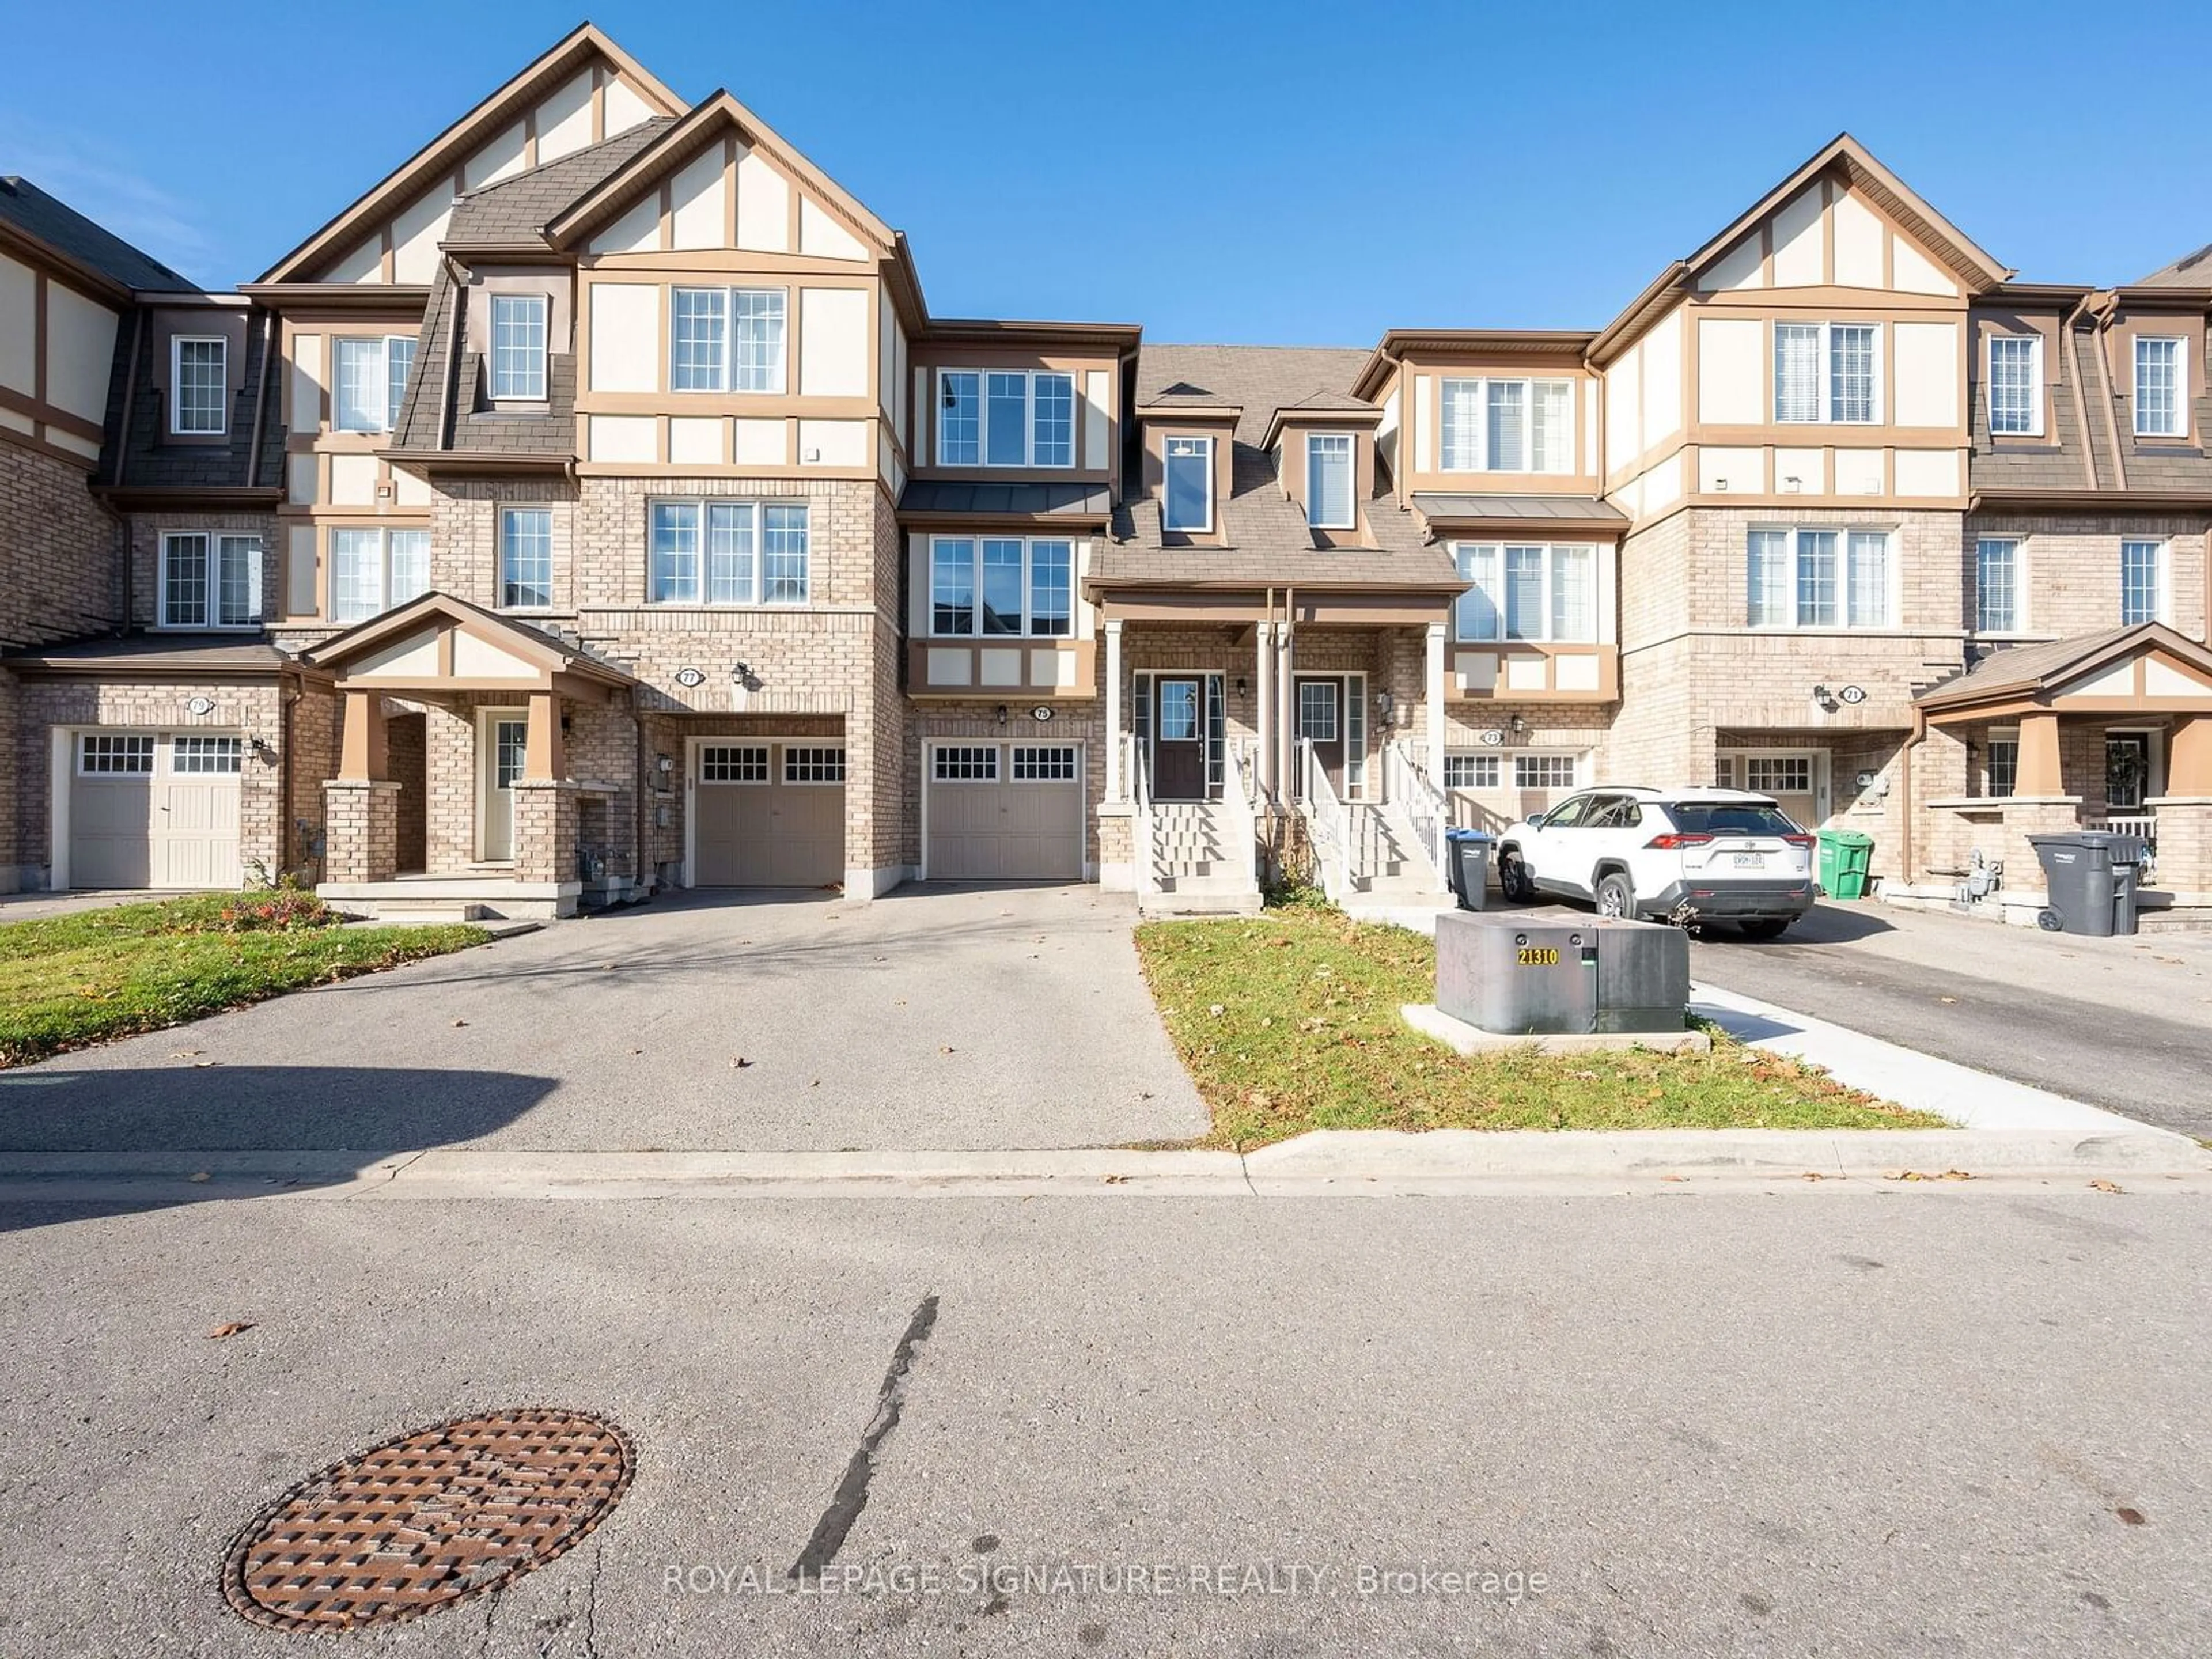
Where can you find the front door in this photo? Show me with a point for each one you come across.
(1178, 737)
(2127, 770)
(503, 738)
(1320, 723)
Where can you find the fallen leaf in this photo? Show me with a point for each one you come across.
(2106, 1186)
(1903, 1174)
(1946, 999)
(1673, 1178)
(1811, 1174)
(739, 1063)
(609, 967)
(1956, 1174)
(1113, 1180)
(187, 1054)
(230, 1329)
(816, 1083)
(1215, 1010)
(197, 1064)
(199, 1176)
(944, 1048)
(637, 1051)
(460, 1022)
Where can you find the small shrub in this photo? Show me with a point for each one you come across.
(277, 910)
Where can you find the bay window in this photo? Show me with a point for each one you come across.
(1329, 481)
(519, 346)
(371, 571)
(1006, 418)
(1527, 591)
(726, 339)
(1508, 426)
(1828, 372)
(728, 553)
(209, 579)
(199, 387)
(2015, 383)
(2160, 409)
(1187, 492)
(1818, 577)
(1001, 586)
(369, 379)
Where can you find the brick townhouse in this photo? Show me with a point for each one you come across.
(596, 505)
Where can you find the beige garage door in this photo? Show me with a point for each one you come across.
(154, 809)
(769, 814)
(1006, 812)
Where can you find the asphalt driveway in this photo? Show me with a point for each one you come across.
(935, 1018)
(2125, 1024)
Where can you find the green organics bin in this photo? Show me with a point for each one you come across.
(1846, 855)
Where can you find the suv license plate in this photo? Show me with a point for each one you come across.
(1750, 860)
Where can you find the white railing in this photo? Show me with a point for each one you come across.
(1406, 781)
(1326, 823)
(2143, 825)
(1240, 823)
(1142, 853)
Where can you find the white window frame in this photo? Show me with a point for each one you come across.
(799, 758)
(1025, 762)
(760, 754)
(2180, 427)
(2161, 574)
(188, 749)
(2018, 624)
(544, 304)
(388, 394)
(1842, 533)
(1029, 378)
(2006, 737)
(1319, 444)
(756, 511)
(1877, 391)
(1481, 762)
(1476, 457)
(1168, 459)
(2034, 343)
(726, 370)
(1028, 618)
(115, 746)
(177, 426)
(1463, 554)
(386, 599)
(215, 539)
(980, 763)
(506, 511)
(1545, 758)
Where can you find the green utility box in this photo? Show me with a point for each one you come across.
(1845, 856)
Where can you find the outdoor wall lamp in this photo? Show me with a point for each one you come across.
(1519, 725)
(1001, 713)
(263, 750)
(1240, 685)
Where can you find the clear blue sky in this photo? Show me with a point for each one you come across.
(1235, 170)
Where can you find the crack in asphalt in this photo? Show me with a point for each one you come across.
(852, 1494)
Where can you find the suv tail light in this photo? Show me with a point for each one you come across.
(1670, 840)
(1798, 839)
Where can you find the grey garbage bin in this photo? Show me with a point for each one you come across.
(1467, 859)
(2090, 875)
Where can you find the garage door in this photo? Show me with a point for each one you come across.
(154, 809)
(769, 814)
(1006, 812)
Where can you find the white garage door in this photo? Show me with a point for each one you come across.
(1006, 812)
(154, 809)
(768, 815)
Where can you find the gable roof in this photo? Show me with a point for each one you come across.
(534, 645)
(91, 249)
(718, 113)
(517, 210)
(2030, 670)
(449, 148)
(2191, 270)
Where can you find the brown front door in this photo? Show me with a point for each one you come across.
(1178, 738)
(1320, 722)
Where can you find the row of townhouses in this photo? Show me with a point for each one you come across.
(596, 505)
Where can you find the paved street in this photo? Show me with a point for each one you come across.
(1903, 1421)
(2125, 1024)
(940, 1017)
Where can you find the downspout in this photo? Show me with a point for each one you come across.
(260, 403)
(290, 692)
(446, 404)
(122, 589)
(1919, 735)
(637, 792)
(2072, 363)
(2104, 321)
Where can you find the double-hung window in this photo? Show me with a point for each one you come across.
(1996, 585)
(199, 386)
(1527, 591)
(1818, 577)
(2016, 385)
(1329, 481)
(373, 570)
(1187, 492)
(997, 586)
(728, 553)
(1828, 372)
(2004, 766)
(525, 556)
(209, 579)
(1507, 426)
(726, 339)
(1005, 417)
(2142, 584)
(518, 347)
(370, 378)
(2161, 412)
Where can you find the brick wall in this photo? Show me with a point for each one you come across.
(2068, 574)
(146, 531)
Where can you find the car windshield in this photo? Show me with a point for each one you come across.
(1730, 818)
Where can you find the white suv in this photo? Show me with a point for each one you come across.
(1678, 854)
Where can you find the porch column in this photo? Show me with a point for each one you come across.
(2038, 771)
(1286, 719)
(2189, 757)
(1263, 717)
(542, 759)
(1116, 788)
(1436, 689)
(361, 753)
(360, 805)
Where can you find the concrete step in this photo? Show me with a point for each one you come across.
(1193, 907)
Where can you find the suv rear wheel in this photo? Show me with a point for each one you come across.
(1615, 896)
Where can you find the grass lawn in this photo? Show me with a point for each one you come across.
(68, 980)
(1289, 1021)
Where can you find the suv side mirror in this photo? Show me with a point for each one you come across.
(1536, 820)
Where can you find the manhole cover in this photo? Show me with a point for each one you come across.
(427, 1520)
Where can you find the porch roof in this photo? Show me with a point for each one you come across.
(2146, 668)
(154, 656)
(441, 643)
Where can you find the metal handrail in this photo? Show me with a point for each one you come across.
(1244, 823)
(1142, 850)
(1425, 805)
(1326, 821)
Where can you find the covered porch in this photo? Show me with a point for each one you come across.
(2111, 731)
(484, 768)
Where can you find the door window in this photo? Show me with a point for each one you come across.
(2127, 771)
(1178, 711)
(1317, 710)
(512, 737)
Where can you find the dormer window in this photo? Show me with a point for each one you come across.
(199, 393)
(1329, 481)
(518, 347)
(2016, 385)
(1006, 418)
(2159, 408)
(1186, 495)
